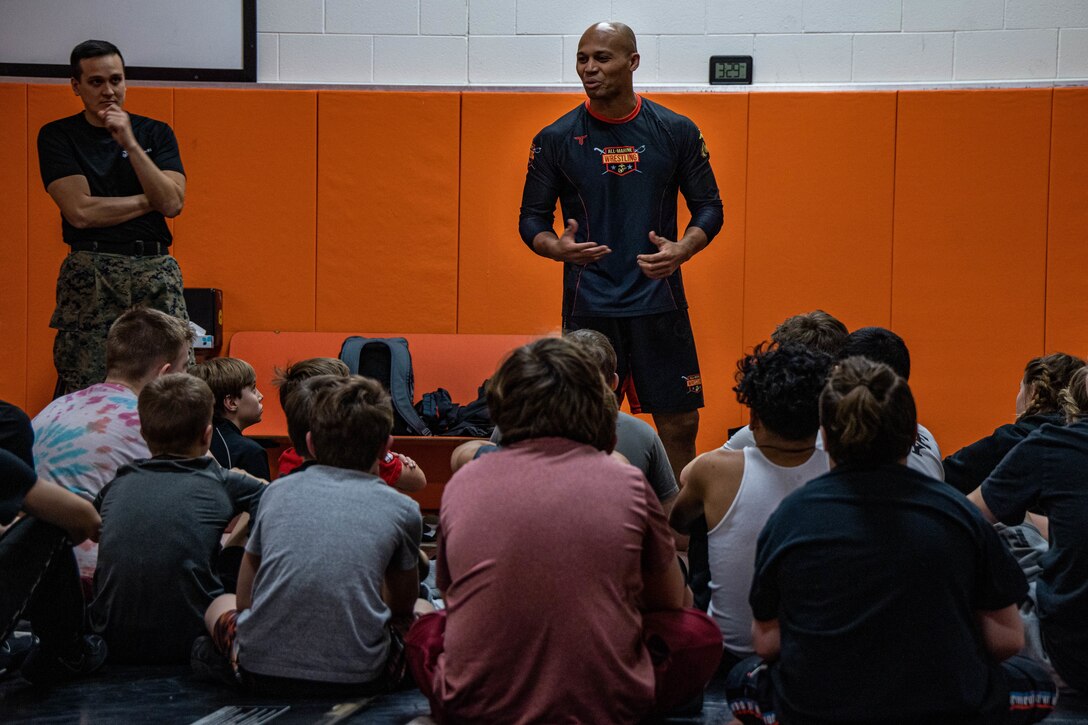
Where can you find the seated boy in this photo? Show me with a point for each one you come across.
(737, 491)
(162, 520)
(330, 565)
(237, 406)
(81, 439)
(565, 596)
(396, 469)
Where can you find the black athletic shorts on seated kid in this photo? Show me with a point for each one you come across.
(656, 359)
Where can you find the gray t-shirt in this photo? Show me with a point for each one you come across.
(639, 443)
(326, 537)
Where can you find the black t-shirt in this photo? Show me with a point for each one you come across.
(16, 433)
(1048, 471)
(73, 147)
(162, 519)
(875, 577)
(234, 450)
(619, 180)
(968, 467)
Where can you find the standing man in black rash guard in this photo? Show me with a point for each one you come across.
(616, 163)
(115, 177)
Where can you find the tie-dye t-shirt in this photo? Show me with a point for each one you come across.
(81, 440)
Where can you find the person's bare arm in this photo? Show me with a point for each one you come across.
(250, 564)
(58, 506)
(466, 452)
(411, 478)
(687, 505)
(975, 497)
(165, 190)
(1002, 631)
(400, 592)
(708, 487)
(767, 639)
(72, 195)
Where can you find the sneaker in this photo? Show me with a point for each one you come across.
(208, 664)
(88, 657)
(14, 650)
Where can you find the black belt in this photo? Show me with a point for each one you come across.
(138, 248)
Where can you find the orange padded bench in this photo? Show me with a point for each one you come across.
(458, 363)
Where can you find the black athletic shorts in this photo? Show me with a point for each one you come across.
(656, 359)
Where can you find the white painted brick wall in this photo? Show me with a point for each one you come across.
(817, 58)
(291, 16)
(405, 60)
(532, 42)
(686, 59)
(492, 17)
(560, 17)
(443, 17)
(1046, 13)
(1013, 54)
(728, 17)
(372, 17)
(851, 16)
(515, 60)
(1073, 53)
(326, 58)
(953, 15)
(268, 57)
(904, 57)
(681, 17)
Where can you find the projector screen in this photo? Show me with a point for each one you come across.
(174, 40)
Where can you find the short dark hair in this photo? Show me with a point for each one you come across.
(92, 49)
(781, 384)
(175, 410)
(881, 345)
(552, 387)
(350, 422)
(817, 330)
(226, 376)
(597, 345)
(291, 377)
(868, 414)
(142, 339)
(299, 407)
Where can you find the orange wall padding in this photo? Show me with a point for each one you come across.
(13, 244)
(1067, 253)
(251, 195)
(955, 217)
(969, 263)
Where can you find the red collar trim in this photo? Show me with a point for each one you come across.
(630, 116)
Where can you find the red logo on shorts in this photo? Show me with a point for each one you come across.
(694, 383)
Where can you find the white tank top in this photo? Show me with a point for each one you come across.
(731, 544)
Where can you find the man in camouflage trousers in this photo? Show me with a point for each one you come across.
(115, 178)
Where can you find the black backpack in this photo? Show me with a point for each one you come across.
(387, 360)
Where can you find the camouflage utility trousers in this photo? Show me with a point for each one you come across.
(93, 289)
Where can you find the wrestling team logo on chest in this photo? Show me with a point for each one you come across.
(620, 160)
